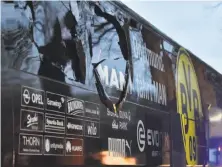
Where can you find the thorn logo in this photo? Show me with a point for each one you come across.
(140, 136)
(26, 96)
(47, 145)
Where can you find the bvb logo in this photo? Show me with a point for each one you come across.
(188, 104)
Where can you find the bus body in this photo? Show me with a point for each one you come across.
(88, 83)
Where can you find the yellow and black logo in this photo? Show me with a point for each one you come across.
(188, 104)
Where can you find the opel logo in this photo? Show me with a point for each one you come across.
(26, 96)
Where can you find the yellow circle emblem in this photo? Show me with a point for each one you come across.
(188, 104)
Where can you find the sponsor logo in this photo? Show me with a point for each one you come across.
(32, 97)
(119, 147)
(55, 102)
(31, 120)
(154, 139)
(31, 141)
(75, 107)
(74, 147)
(54, 123)
(123, 125)
(140, 136)
(92, 129)
(26, 96)
(188, 104)
(47, 145)
(74, 126)
(115, 125)
(92, 110)
(68, 146)
(30, 144)
(125, 115)
(54, 145)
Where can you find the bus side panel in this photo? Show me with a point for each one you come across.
(7, 122)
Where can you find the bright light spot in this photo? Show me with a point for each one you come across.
(216, 118)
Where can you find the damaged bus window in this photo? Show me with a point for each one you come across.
(113, 30)
(57, 48)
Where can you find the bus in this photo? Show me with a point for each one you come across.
(92, 83)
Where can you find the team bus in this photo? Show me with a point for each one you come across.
(91, 83)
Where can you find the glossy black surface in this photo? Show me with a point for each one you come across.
(52, 112)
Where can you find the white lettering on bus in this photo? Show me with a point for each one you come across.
(31, 141)
(153, 91)
(144, 54)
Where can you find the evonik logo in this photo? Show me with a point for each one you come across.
(140, 136)
(154, 137)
